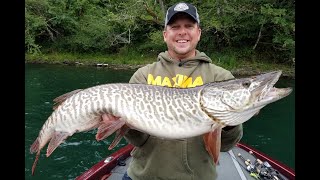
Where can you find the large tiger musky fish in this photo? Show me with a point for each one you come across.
(171, 113)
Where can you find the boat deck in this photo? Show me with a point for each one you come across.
(230, 167)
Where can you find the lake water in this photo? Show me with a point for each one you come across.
(272, 131)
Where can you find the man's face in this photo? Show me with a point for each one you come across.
(182, 37)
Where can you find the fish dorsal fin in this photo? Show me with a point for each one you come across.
(59, 100)
(212, 141)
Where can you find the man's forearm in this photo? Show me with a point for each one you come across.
(136, 138)
(230, 136)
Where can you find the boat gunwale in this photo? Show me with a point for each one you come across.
(279, 166)
(103, 168)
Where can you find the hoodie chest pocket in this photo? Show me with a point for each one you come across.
(168, 155)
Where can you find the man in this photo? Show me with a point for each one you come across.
(180, 66)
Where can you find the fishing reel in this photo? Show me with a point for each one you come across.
(269, 173)
(261, 170)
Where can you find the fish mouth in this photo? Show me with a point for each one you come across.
(263, 90)
(267, 79)
(281, 92)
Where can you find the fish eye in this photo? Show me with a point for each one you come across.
(246, 84)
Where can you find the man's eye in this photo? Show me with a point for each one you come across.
(189, 26)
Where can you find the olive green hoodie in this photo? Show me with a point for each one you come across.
(185, 159)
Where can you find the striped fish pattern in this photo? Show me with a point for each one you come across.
(171, 113)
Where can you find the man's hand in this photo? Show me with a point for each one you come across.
(227, 128)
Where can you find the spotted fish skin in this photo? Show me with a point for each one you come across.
(171, 113)
(164, 112)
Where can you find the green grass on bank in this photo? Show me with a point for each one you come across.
(88, 59)
(228, 61)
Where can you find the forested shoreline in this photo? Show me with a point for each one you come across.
(233, 32)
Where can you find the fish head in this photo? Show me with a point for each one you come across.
(263, 91)
(242, 98)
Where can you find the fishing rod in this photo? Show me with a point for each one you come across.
(265, 170)
(245, 166)
(251, 168)
(259, 169)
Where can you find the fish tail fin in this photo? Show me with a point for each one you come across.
(35, 162)
(56, 140)
(212, 141)
(108, 125)
(35, 148)
(119, 134)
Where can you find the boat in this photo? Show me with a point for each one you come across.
(241, 162)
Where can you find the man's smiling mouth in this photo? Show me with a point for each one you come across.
(182, 41)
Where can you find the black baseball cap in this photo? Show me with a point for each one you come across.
(182, 7)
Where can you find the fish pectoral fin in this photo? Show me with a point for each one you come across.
(56, 140)
(108, 125)
(212, 141)
(119, 134)
(60, 99)
(109, 118)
